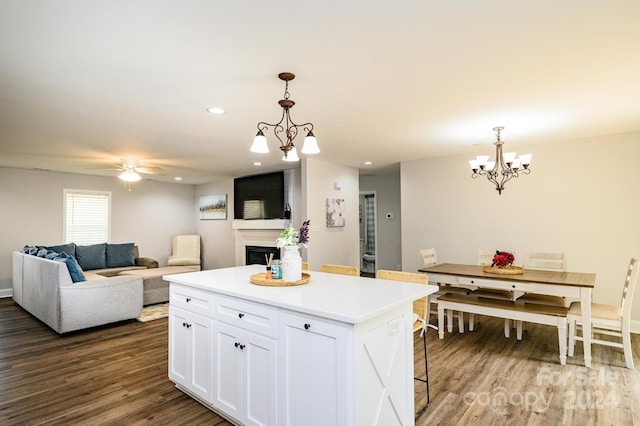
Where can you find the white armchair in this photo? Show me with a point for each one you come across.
(186, 251)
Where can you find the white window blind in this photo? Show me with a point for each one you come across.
(86, 216)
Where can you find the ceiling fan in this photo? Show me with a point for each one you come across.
(131, 169)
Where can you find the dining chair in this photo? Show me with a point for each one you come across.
(430, 258)
(340, 269)
(543, 262)
(305, 266)
(419, 317)
(485, 258)
(608, 319)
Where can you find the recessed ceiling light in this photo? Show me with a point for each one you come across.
(177, 178)
(368, 163)
(215, 110)
(256, 163)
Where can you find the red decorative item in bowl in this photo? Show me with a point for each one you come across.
(502, 264)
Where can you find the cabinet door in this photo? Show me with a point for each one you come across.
(179, 346)
(260, 380)
(201, 356)
(314, 378)
(245, 378)
(227, 374)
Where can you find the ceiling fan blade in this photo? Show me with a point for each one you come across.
(151, 171)
(105, 167)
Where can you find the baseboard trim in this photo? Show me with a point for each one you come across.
(635, 326)
(6, 292)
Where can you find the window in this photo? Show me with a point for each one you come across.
(87, 216)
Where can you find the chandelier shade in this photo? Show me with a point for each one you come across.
(505, 167)
(286, 130)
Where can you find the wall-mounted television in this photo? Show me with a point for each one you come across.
(259, 196)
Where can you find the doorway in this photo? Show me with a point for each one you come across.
(368, 232)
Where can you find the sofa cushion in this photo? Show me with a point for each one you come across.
(92, 257)
(70, 249)
(72, 265)
(119, 255)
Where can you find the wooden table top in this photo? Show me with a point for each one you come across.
(577, 279)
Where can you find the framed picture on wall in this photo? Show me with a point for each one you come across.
(335, 212)
(213, 207)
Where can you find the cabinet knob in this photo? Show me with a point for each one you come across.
(307, 326)
(188, 325)
(240, 315)
(184, 324)
(188, 299)
(238, 345)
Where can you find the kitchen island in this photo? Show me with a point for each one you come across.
(335, 351)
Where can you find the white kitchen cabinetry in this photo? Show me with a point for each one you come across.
(190, 351)
(314, 374)
(245, 372)
(336, 351)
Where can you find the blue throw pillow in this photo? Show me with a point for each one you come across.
(70, 248)
(32, 250)
(119, 255)
(74, 269)
(92, 257)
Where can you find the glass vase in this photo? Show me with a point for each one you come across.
(291, 264)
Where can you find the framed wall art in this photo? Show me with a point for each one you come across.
(335, 212)
(213, 207)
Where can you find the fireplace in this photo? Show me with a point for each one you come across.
(256, 255)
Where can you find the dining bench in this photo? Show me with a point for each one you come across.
(514, 310)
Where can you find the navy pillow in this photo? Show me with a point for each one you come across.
(119, 255)
(70, 248)
(92, 257)
(74, 269)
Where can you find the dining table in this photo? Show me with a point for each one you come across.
(570, 285)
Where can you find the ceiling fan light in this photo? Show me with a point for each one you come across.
(129, 176)
(260, 143)
(292, 155)
(310, 145)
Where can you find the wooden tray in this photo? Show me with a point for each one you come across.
(508, 270)
(259, 279)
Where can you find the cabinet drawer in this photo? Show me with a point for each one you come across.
(250, 316)
(191, 299)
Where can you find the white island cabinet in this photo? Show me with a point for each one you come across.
(335, 351)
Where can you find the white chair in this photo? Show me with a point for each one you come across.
(429, 258)
(419, 317)
(485, 258)
(186, 251)
(543, 262)
(608, 319)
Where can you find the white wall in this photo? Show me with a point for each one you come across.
(387, 187)
(330, 245)
(218, 244)
(32, 208)
(581, 198)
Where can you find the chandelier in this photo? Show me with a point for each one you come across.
(504, 168)
(285, 129)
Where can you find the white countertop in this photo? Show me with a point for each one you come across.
(338, 297)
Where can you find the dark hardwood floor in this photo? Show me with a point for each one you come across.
(117, 375)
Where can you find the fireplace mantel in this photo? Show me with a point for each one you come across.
(259, 224)
(255, 233)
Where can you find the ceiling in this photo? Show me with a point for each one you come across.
(87, 83)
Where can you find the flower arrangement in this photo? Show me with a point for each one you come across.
(502, 259)
(294, 237)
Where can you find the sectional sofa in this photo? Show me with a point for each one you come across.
(68, 298)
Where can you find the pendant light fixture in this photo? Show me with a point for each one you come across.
(505, 167)
(285, 129)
